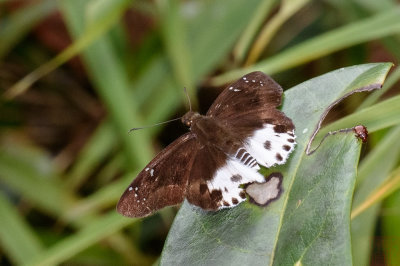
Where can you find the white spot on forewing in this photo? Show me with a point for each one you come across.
(230, 88)
(268, 157)
(236, 90)
(152, 172)
(130, 188)
(147, 169)
(262, 193)
(222, 180)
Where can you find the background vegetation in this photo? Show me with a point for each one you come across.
(76, 75)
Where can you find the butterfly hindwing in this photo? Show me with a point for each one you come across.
(216, 179)
(163, 182)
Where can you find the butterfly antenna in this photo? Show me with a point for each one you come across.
(190, 107)
(187, 95)
(137, 128)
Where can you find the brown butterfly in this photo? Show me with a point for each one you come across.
(212, 165)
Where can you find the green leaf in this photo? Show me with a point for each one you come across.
(108, 74)
(104, 226)
(106, 20)
(383, 24)
(175, 40)
(379, 116)
(373, 171)
(16, 237)
(310, 223)
(96, 149)
(256, 22)
(29, 172)
(391, 230)
(393, 78)
(17, 25)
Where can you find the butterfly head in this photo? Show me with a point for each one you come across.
(189, 118)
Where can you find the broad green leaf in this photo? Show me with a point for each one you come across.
(310, 223)
(392, 79)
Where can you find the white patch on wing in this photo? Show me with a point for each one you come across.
(229, 177)
(269, 147)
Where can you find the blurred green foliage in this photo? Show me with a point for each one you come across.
(76, 75)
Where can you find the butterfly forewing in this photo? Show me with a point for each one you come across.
(248, 94)
(164, 180)
(248, 108)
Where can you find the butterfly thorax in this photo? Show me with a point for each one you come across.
(210, 131)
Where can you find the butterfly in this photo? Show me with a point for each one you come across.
(213, 164)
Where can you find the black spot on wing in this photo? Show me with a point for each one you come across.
(267, 145)
(279, 157)
(280, 128)
(216, 195)
(235, 201)
(236, 178)
(242, 194)
(286, 147)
